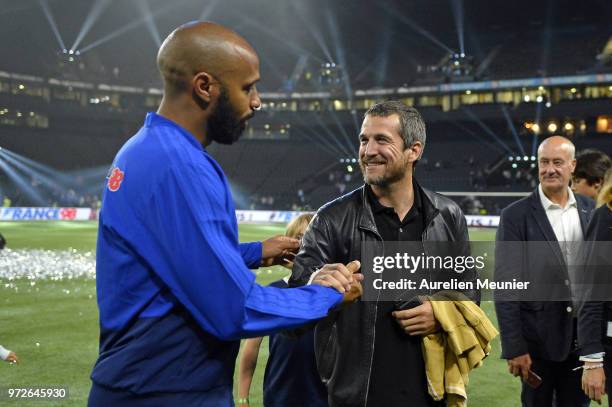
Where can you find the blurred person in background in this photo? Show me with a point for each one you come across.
(595, 315)
(591, 166)
(291, 377)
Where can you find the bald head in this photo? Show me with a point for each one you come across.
(558, 143)
(201, 47)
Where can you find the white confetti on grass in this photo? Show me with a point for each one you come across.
(55, 265)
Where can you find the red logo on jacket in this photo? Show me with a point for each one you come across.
(115, 178)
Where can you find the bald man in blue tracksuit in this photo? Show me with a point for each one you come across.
(175, 292)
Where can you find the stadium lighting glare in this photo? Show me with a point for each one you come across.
(145, 10)
(568, 127)
(349, 168)
(573, 90)
(514, 165)
(20, 181)
(548, 104)
(21, 87)
(533, 165)
(518, 158)
(468, 92)
(487, 130)
(513, 129)
(49, 16)
(510, 158)
(131, 25)
(526, 98)
(539, 99)
(525, 158)
(552, 127)
(533, 158)
(342, 160)
(95, 12)
(394, 12)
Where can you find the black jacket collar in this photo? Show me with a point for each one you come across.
(428, 199)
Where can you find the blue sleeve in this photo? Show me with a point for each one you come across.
(194, 250)
(251, 254)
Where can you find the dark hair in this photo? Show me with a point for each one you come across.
(412, 126)
(592, 165)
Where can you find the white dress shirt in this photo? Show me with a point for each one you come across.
(565, 222)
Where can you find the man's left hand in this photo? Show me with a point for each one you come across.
(418, 320)
(278, 250)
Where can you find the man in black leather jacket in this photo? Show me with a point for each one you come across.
(368, 353)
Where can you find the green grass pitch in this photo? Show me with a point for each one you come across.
(53, 325)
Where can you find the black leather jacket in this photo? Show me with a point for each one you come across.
(344, 341)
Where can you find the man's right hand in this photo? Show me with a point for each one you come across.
(345, 279)
(594, 383)
(520, 365)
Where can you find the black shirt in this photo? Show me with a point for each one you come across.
(398, 369)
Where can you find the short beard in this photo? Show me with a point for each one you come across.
(224, 125)
(383, 181)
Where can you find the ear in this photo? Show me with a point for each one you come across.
(573, 165)
(204, 86)
(415, 151)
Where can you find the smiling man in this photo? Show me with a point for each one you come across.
(370, 354)
(541, 335)
(174, 288)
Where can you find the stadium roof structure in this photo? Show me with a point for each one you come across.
(375, 44)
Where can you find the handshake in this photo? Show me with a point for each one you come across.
(345, 279)
(281, 250)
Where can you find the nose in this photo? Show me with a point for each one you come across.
(255, 101)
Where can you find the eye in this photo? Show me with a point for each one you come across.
(249, 88)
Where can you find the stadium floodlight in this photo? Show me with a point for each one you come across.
(514, 165)
(526, 98)
(539, 99)
(548, 104)
(568, 127)
(518, 158)
(510, 158)
(533, 158)
(535, 128)
(525, 158)
(552, 127)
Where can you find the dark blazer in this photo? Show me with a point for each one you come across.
(595, 313)
(544, 329)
